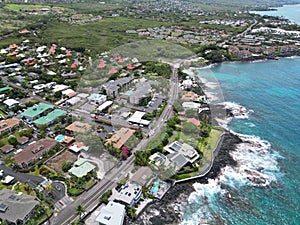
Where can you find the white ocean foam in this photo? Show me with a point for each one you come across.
(256, 166)
(238, 111)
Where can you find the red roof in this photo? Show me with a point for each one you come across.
(130, 67)
(13, 46)
(73, 66)
(194, 121)
(101, 65)
(181, 113)
(12, 53)
(52, 50)
(112, 71)
(24, 31)
(68, 53)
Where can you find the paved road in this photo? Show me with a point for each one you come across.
(89, 200)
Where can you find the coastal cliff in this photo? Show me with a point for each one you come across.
(169, 209)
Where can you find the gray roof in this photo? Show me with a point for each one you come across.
(15, 207)
(178, 159)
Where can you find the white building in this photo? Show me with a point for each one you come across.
(129, 194)
(191, 105)
(10, 102)
(111, 214)
(137, 118)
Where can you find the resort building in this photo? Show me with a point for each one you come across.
(35, 111)
(78, 127)
(8, 124)
(34, 151)
(129, 194)
(50, 117)
(120, 137)
(111, 214)
(16, 209)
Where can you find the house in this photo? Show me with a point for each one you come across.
(143, 176)
(104, 106)
(77, 147)
(68, 93)
(191, 105)
(187, 84)
(16, 209)
(129, 194)
(97, 98)
(112, 87)
(120, 137)
(189, 153)
(78, 127)
(7, 149)
(81, 168)
(34, 151)
(23, 140)
(161, 162)
(11, 102)
(8, 124)
(189, 97)
(35, 111)
(111, 214)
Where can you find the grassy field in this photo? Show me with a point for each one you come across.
(24, 7)
(212, 142)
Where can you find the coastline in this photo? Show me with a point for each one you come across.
(169, 210)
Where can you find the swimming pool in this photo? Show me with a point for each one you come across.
(129, 92)
(155, 187)
(60, 138)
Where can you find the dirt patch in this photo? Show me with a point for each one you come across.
(57, 162)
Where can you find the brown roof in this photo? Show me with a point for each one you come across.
(9, 123)
(120, 137)
(35, 150)
(7, 148)
(142, 176)
(23, 140)
(78, 127)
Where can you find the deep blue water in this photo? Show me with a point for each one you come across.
(272, 90)
(290, 12)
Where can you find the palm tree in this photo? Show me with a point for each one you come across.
(80, 210)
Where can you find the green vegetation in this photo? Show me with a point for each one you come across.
(104, 198)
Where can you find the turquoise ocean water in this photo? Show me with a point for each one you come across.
(270, 91)
(291, 12)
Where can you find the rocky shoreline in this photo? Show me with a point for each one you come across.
(168, 211)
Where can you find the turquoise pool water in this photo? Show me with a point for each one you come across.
(60, 138)
(155, 187)
(129, 92)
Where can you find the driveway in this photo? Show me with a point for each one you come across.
(59, 190)
(22, 177)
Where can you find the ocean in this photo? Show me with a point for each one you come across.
(290, 12)
(265, 186)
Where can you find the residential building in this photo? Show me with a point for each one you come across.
(184, 149)
(191, 105)
(81, 168)
(104, 106)
(97, 98)
(162, 164)
(120, 137)
(11, 102)
(16, 209)
(8, 124)
(35, 111)
(77, 147)
(7, 148)
(34, 151)
(78, 127)
(129, 194)
(111, 214)
(23, 140)
(112, 87)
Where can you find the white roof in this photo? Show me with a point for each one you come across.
(59, 87)
(111, 214)
(10, 102)
(67, 92)
(191, 105)
(104, 105)
(74, 100)
(83, 95)
(137, 118)
(7, 179)
(129, 193)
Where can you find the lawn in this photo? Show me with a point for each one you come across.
(211, 144)
(2, 114)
